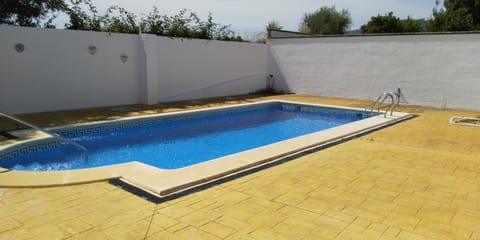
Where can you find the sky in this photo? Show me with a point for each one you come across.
(249, 17)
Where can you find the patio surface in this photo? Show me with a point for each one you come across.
(419, 179)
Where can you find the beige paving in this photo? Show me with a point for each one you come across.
(419, 179)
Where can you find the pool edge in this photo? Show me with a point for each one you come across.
(206, 173)
(184, 178)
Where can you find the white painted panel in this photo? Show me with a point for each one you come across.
(186, 65)
(433, 70)
(56, 71)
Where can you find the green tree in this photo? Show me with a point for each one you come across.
(31, 13)
(458, 15)
(80, 19)
(467, 7)
(389, 23)
(186, 24)
(326, 20)
(118, 19)
(83, 15)
(413, 25)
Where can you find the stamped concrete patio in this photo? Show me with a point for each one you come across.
(419, 179)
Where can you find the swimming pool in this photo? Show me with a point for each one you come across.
(183, 140)
(201, 158)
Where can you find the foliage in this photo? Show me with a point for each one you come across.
(186, 24)
(383, 24)
(30, 13)
(118, 19)
(458, 15)
(467, 7)
(413, 25)
(83, 15)
(326, 20)
(81, 20)
(273, 25)
(389, 23)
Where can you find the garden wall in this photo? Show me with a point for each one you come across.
(441, 70)
(56, 71)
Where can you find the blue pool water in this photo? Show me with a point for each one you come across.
(171, 144)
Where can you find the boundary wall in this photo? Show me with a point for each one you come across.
(57, 71)
(440, 70)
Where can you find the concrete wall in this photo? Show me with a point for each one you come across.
(203, 63)
(433, 70)
(56, 70)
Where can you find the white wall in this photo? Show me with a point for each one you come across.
(56, 71)
(192, 64)
(433, 70)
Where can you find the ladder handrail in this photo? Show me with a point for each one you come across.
(395, 98)
(53, 134)
(396, 95)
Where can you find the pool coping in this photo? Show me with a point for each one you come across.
(163, 182)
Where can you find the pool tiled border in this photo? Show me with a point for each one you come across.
(163, 182)
(46, 142)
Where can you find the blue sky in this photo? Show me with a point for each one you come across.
(248, 17)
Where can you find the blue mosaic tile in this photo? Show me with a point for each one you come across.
(29, 147)
(108, 126)
(150, 120)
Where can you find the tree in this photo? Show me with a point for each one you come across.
(83, 15)
(383, 24)
(118, 19)
(186, 24)
(80, 19)
(326, 20)
(458, 15)
(467, 7)
(273, 25)
(389, 23)
(413, 25)
(30, 13)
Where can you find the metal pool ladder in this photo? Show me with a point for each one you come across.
(395, 100)
(53, 134)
